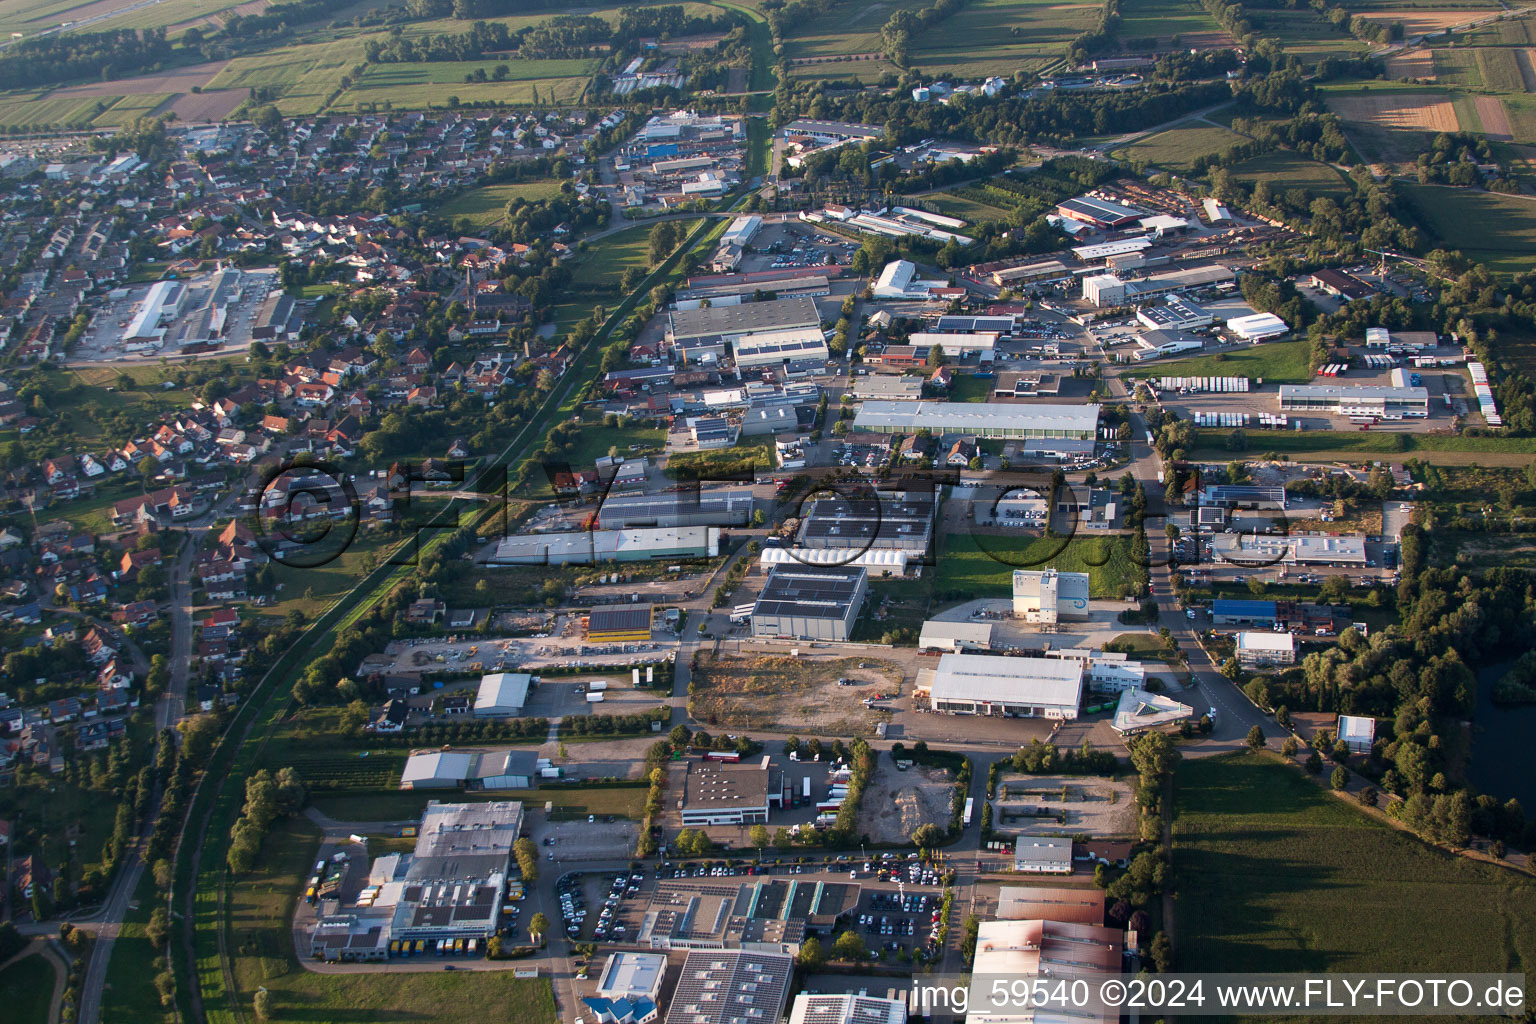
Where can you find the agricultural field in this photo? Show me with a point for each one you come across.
(130, 109)
(1177, 148)
(966, 208)
(1276, 362)
(26, 990)
(983, 565)
(1499, 230)
(852, 26)
(52, 110)
(1019, 34)
(486, 206)
(1303, 33)
(1284, 169)
(1164, 19)
(1263, 859)
(261, 955)
(569, 801)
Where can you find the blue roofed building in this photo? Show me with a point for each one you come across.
(1243, 613)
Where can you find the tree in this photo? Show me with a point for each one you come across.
(936, 355)
(927, 835)
(849, 946)
(1314, 763)
(758, 836)
(263, 1004)
(1290, 746)
(1283, 717)
(1161, 952)
(811, 956)
(538, 925)
(1340, 778)
(1368, 796)
(1256, 738)
(159, 928)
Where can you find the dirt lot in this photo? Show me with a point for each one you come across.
(1426, 111)
(1418, 64)
(791, 694)
(1093, 806)
(895, 802)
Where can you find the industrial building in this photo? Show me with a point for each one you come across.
(1032, 273)
(846, 1008)
(1139, 710)
(1110, 290)
(450, 887)
(502, 694)
(591, 547)
(1340, 284)
(1047, 596)
(1050, 903)
(1355, 400)
(717, 793)
(898, 280)
(1042, 855)
(1175, 314)
(472, 770)
(1257, 327)
(726, 323)
(1061, 952)
(1271, 549)
(1233, 612)
(888, 387)
(629, 988)
(955, 637)
(902, 522)
(780, 348)
(810, 602)
(704, 506)
(762, 915)
(1101, 213)
(875, 561)
(1036, 422)
(625, 624)
(720, 986)
(955, 324)
(954, 344)
(1262, 650)
(981, 684)
(742, 230)
(1249, 496)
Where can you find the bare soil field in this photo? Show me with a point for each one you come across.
(1072, 804)
(1428, 111)
(1419, 64)
(1417, 23)
(895, 803)
(208, 106)
(1490, 111)
(791, 694)
(172, 81)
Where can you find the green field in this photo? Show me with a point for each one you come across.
(969, 388)
(1159, 19)
(964, 207)
(52, 111)
(1284, 169)
(1498, 230)
(1018, 34)
(983, 565)
(1276, 362)
(26, 990)
(486, 206)
(1177, 148)
(1274, 874)
(595, 278)
(262, 956)
(411, 86)
(130, 108)
(1295, 442)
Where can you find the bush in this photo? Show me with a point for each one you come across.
(1340, 778)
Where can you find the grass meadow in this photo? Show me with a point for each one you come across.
(982, 565)
(1274, 874)
(1284, 169)
(1177, 148)
(1499, 230)
(486, 206)
(1275, 362)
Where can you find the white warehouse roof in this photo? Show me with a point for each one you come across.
(892, 560)
(502, 692)
(438, 766)
(979, 417)
(1258, 641)
(1257, 325)
(1003, 680)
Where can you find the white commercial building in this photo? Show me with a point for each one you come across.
(742, 230)
(1139, 710)
(1033, 422)
(502, 694)
(981, 684)
(1104, 289)
(1042, 855)
(778, 348)
(591, 547)
(1356, 400)
(1357, 733)
(1257, 327)
(898, 280)
(1259, 650)
(955, 636)
(1048, 596)
(1263, 550)
(876, 561)
(958, 345)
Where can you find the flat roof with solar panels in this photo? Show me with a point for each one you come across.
(725, 986)
(974, 324)
(1099, 212)
(810, 602)
(904, 522)
(630, 623)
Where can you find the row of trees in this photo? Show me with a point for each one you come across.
(267, 797)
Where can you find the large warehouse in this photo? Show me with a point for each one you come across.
(902, 522)
(1101, 213)
(1054, 421)
(958, 344)
(595, 546)
(1257, 327)
(475, 770)
(706, 506)
(623, 624)
(450, 887)
(1047, 596)
(984, 684)
(1258, 550)
(1355, 400)
(810, 602)
(731, 322)
(502, 694)
(780, 348)
(730, 794)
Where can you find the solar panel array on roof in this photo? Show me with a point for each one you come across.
(808, 591)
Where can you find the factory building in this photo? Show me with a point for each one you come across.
(706, 506)
(1101, 213)
(876, 561)
(1257, 327)
(717, 793)
(1038, 422)
(502, 694)
(472, 770)
(846, 1008)
(1047, 596)
(1252, 550)
(625, 624)
(629, 989)
(1032, 273)
(898, 280)
(742, 230)
(597, 546)
(1175, 314)
(1110, 290)
(723, 986)
(1261, 650)
(1355, 400)
(981, 684)
(810, 602)
(955, 637)
(902, 522)
(780, 348)
(726, 323)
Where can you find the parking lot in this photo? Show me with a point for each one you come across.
(103, 339)
(789, 244)
(458, 654)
